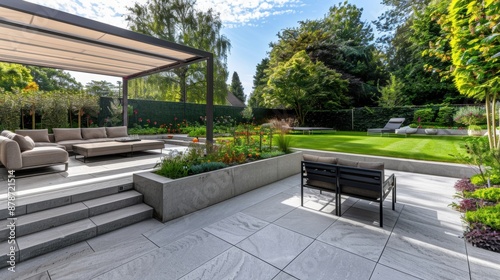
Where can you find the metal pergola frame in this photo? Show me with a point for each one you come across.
(36, 35)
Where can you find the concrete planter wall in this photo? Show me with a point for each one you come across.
(175, 198)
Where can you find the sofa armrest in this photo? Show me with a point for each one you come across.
(10, 154)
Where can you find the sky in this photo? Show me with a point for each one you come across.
(250, 25)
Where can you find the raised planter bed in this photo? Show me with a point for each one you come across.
(171, 199)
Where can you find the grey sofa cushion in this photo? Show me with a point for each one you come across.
(371, 165)
(346, 162)
(44, 156)
(332, 160)
(93, 133)
(38, 135)
(63, 134)
(116, 131)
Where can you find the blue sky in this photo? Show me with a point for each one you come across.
(250, 24)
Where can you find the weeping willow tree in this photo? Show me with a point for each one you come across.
(474, 33)
(180, 22)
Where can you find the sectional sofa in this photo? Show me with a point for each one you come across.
(37, 148)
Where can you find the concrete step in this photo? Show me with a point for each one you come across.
(38, 202)
(51, 239)
(113, 202)
(42, 220)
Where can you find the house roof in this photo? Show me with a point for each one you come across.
(36, 35)
(232, 100)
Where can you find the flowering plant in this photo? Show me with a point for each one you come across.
(470, 115)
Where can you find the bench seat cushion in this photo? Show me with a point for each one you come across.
(40, 156)
(321, 184)
(63, 134)
(360, 192)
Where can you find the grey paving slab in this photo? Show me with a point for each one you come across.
(370, 214)
(424, 260)
(177, 228)
(364, 240)
(275, 245)
(386, 273)
(274, 207)
(233, 264)
(108, 240)
(41, 264)
(235, 228)
(41, 276)
(307, 222)
(92, 265)
(172, 261)
(428, 216)
(284, 276)
(323, 261)
(484, 264)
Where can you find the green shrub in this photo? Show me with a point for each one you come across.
(491, 194)
(199, 131)
(206, 166)
(445, 115)
(173, 166)
(284, 143)
(489, 216)
(425, 115)
(271, 154)
(479, 180)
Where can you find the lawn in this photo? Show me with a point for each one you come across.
(420, 147)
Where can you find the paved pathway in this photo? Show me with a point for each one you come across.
(265, 234)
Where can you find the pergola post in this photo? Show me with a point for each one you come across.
(125, 101)
(210, 99)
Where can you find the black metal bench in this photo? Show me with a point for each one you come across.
(362, 183)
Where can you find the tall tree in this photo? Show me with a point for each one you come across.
(14, 76)
(179, 21)
(475, 52)
(50, 79)
(301, 85)
(259, 83)
(237, 88)
(101, 88)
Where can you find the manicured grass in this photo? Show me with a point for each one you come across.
(420, 147)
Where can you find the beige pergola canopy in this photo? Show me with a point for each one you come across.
(36, 35)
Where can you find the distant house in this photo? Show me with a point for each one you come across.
(232, 100)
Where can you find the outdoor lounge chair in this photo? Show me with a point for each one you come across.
(390, 127)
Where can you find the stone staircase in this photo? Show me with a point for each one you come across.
(56, 219)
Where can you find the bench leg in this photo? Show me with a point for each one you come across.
(339, 204)
(381, 213)
(301, 195)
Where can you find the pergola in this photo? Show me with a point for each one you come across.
(36, 35)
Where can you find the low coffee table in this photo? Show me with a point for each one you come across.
(115, 147)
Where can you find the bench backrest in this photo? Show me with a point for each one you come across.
(361, 181)
(322, 175)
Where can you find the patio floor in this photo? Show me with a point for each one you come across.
(266, 234)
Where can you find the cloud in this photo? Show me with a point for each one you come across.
(233, 13)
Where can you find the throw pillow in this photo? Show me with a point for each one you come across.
(38, 135)
(346, 162)
(116, 132)
(62, 134)
(371, 165)
(93, 133)
(24, 144)
(332, 160)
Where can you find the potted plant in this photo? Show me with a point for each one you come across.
(411, 129)
(431, 131)
(474, 130)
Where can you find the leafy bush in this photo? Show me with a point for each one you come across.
(480, 180)
(488, 216)
(445, 115)
(465, 185)
(424, 115)
(206, 166)
(483, 236)
(271, 154)
(173, 166)
(470, 115)
(198, 131)
(491, 194)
